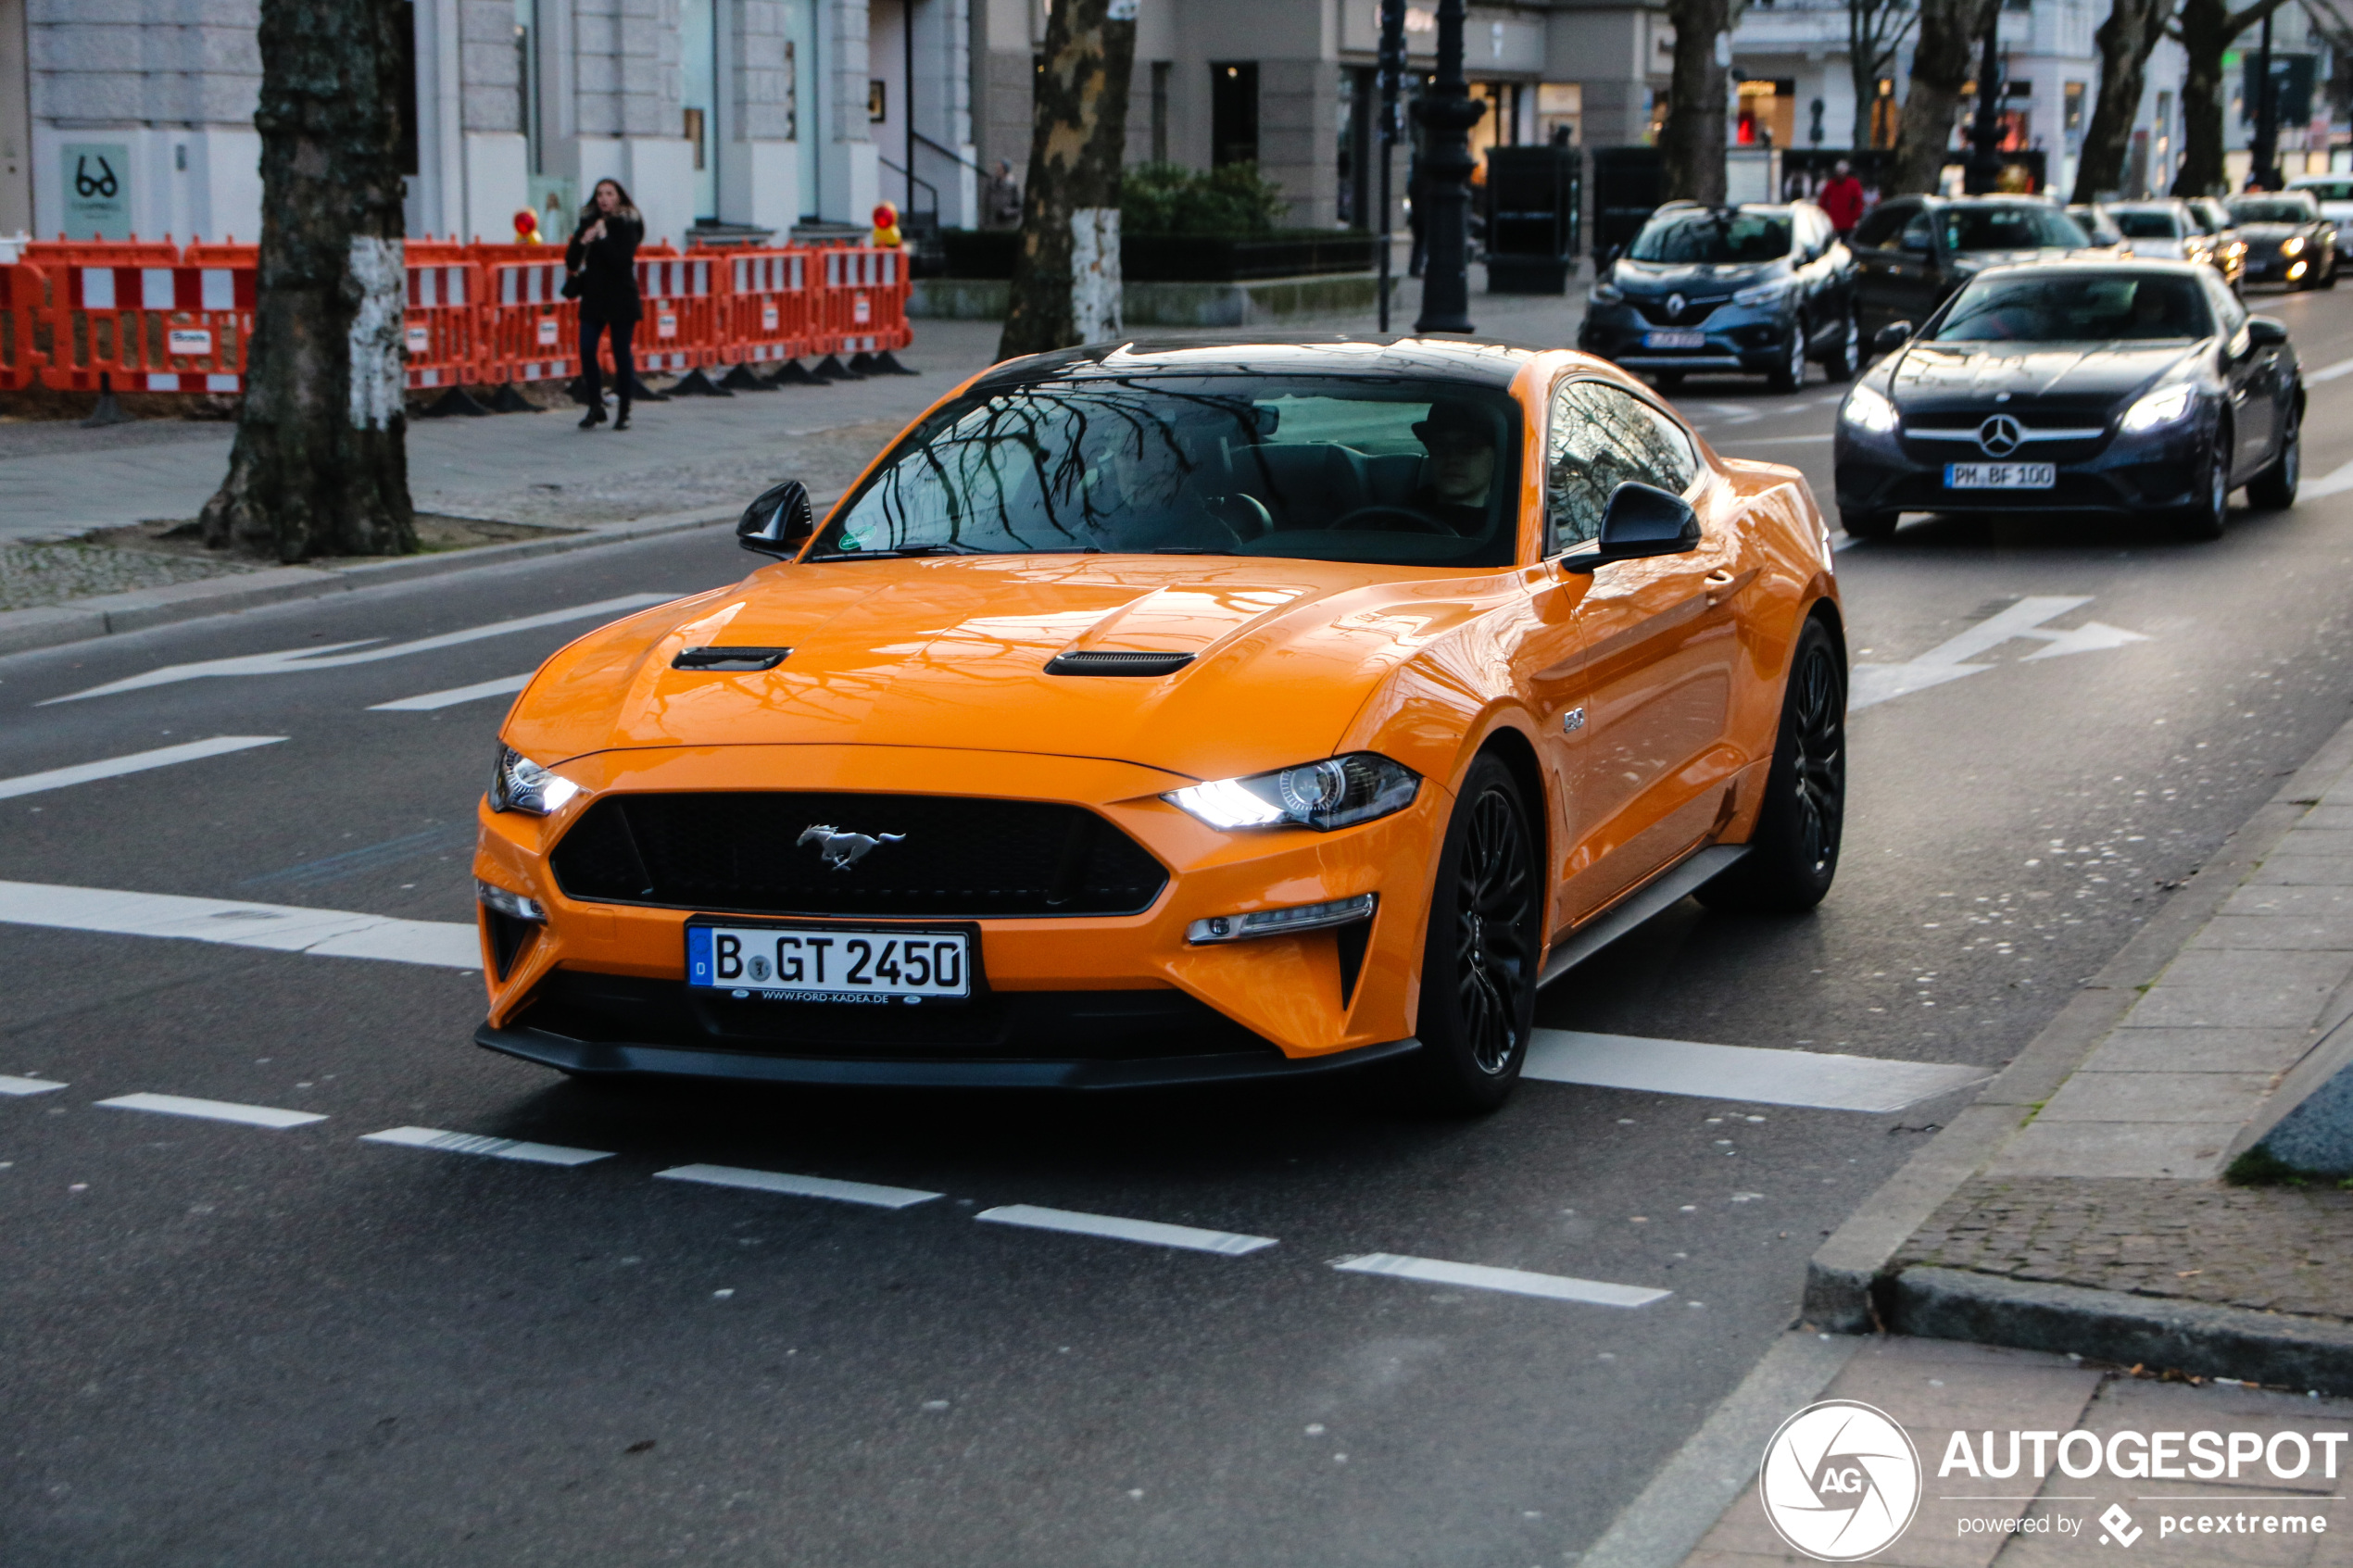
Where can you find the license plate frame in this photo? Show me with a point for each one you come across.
(825, 950)
(1674, 340)
(2000, 476)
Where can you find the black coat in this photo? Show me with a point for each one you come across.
(608, 268)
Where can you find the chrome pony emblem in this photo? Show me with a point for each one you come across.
(843, 850)
(2001, 435)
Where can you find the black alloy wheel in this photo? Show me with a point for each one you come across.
(2274, 488)
(1847, 357)
(1790, 375)
(2207, 518)
(1793, 856)
(1479, 961)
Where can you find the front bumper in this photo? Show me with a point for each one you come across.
(1077, 1000)
(1740, 339)
(2158, 470)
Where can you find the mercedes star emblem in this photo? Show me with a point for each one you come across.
(2000, 435)
(843, 850)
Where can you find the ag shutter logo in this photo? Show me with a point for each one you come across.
(1841, 1480)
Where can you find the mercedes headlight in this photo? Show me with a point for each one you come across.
(1766, 294)
(517, 783)
(1867, 409)
(2291, 246)
(2159, 408)
(1336, 793)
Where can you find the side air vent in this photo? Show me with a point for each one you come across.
(1107, 662)
(729, 658)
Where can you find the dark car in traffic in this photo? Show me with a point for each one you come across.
(2140, 387)
(1913, 253)
(2287, 240)
(1758, 289)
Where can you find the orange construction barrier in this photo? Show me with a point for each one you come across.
(532, 332)
(864, 310)
(23, 296)
(443, 325)
(149, 329)
(680, 329)
(132, 252)
(767, 305)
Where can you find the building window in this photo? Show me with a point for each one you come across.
(877, 101)
(1233, 112)
(2071, 96)
(1160, 69)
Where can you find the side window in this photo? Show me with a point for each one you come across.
(1919, 234)
(1599, 437)
(2227, 309)
(1879, 231)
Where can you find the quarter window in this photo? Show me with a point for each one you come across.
(1599, 437)
(1879, 231)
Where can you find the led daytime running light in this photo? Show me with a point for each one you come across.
(1282, 923)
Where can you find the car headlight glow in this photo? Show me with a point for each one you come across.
(2159, 408)
(517, 783)
(1607, 293)
(2291, 246)
(1866, 410)
(1336, 793)
(1766, 294)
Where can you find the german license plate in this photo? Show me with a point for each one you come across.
(1674, 340)
(2000, 476)
(830, 963)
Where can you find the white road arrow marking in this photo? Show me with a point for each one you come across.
(332, 657)
(1950, 660)
(2335, 483)
(2342, 368)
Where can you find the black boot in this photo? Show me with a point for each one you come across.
(620, 420)
(596, 415)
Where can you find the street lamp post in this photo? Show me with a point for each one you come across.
(1985, 137)
(1447, 112)
(2266, 160)
(1392, 67)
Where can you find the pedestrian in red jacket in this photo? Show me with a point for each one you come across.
(1842, 199)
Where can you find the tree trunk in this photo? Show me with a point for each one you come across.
(1692, 142)
(1944, 59)
(1066, 280)
(1875, 30)
(2206, 30)
(2125, 41)
(321, 465)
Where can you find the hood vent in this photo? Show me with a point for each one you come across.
(729, 658)
(1108, 662)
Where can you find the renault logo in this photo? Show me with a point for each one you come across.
(1675, 302)
(843, 850)
(2000, 435)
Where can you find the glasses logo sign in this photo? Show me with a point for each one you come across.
(1840, 1481)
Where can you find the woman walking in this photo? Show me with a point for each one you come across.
(602, 259)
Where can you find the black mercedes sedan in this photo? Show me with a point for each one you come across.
(1758, 289)
(2287, 240)
(2140, 387)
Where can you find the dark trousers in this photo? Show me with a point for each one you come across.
(624, 367)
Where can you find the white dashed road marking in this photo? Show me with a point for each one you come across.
(281, 928)
(429, 701)
(797, 1186)
(1150, 1232)
(10, 1085)
(137, 762)
(2342, 368)
(2335, 483)
(1518, 1282)
(1817, 1080)
(496, 1149)
(214, 1110)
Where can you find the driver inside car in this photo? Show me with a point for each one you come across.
(1460, 440)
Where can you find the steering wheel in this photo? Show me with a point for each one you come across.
(1243, 512)
(1405, 519)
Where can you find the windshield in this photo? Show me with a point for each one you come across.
(2148, 225)
(1385, 470)
(2081, 307)
(1724, 236)
(2098, 225)
(2010, 228)
(2273, 210)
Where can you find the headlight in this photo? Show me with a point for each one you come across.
(1337, 793)
(1867, 409)
(517, 783)
(1766, 294)
(2159, 408)
(2291, 246)
(512, 904)
(1607, 293)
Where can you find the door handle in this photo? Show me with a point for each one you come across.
(1722, 584)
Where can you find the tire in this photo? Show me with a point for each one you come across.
(2208, 519)
(1790, 375)
(1793, 856)
(1847, 356)
(2274, 488)
(1869, 526)
(1479, 961)
(2328, 279)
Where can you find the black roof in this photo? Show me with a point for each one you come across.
(1336, 354)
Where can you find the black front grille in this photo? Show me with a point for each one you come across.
(1653, 309)
(934, 855)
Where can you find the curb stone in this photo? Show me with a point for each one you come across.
(1850, 1280)
(23, 631)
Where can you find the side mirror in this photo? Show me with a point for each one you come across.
(2262, 332)
(1891, 337)
(1642, 520)
(778, 524)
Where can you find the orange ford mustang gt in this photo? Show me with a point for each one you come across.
(1159, 713)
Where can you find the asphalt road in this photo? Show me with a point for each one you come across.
(238, 1344)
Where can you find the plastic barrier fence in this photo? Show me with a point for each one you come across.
(533, 331)
(865, 301)
(680, 328)
(768, 305)
(150, 329)
(23, 294)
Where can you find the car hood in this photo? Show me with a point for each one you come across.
(1928, 376)
(951, 652)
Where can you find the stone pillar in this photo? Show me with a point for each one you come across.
(760, 174)
(850, 183)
